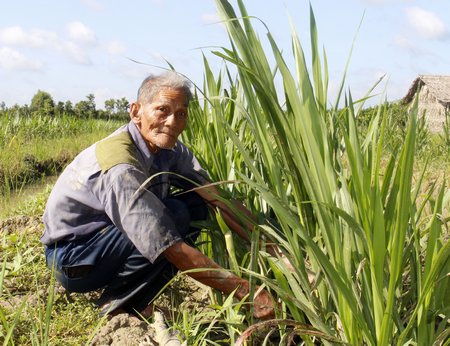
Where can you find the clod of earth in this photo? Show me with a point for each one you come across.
(128, 330)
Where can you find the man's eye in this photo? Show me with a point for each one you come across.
(182, 114)
(163, 109)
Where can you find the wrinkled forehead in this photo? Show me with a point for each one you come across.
(171, 95)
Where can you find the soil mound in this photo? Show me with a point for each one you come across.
(125, 330)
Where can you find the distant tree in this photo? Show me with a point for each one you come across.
(110, 105)
(117, 108)
(86, 108)
(122, 106)
(103, 114)
(59, 109)
(82, 109)
(17, 110)
(109, 108)
(42, 104)
(25, 110)
(2, 108)
(91, 100)
(68, 108)
(91, 105)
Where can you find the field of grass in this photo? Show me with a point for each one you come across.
(31, 149)
(35, 147)
(362, 217)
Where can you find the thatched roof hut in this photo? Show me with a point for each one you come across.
(434, 99)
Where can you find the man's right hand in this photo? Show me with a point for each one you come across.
(263, 306)
(185, 257)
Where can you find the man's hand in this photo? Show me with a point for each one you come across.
(263, 306)
(240, 225)
(185, 257)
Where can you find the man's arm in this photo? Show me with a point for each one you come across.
(185, 257)
(212, 196)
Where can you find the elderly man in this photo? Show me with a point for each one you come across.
(111, 221)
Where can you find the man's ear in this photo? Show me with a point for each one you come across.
(135, 115)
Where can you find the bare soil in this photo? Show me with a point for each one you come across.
(123, 329)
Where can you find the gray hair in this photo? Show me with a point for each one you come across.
(151, 85)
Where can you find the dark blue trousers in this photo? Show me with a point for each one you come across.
(108, 259)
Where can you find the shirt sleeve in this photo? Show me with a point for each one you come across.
(137, 212)
(188, 166)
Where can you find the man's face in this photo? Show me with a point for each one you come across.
(161, 121)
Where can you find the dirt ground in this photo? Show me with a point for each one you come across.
(124, 329)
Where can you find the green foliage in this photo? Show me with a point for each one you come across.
(434, 148)
(117, 108)
(68, 108)
(38, 146)
(86, 109)
(346, 209)
(34, 205)
(33, 311)
(445, 135)
(42, 104)
(218, 324)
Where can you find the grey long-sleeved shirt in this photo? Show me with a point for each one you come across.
(104, 186)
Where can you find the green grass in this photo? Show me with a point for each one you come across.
(33, 311)
(34, 147)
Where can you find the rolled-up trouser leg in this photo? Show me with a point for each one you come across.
(109, 259)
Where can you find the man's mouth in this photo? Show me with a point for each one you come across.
(168, 134)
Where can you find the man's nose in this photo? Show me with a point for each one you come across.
(171, 119)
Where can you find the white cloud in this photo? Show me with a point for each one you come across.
(75, 53)
(11, 59)
(13, 35)
(44, 39)
(210, 18)
(427, 24)
(115, 47)
(406, 44)
(35, 38)
(81, 33)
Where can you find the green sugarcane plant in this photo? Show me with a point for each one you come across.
(370, 264)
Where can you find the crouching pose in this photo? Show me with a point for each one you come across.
(111, 221)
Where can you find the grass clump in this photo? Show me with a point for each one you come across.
(33, 310)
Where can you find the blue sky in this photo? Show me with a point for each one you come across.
(72, 48)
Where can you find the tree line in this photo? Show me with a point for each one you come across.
(42, 104)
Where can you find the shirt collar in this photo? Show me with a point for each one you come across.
(142, 145)
(140, 142)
